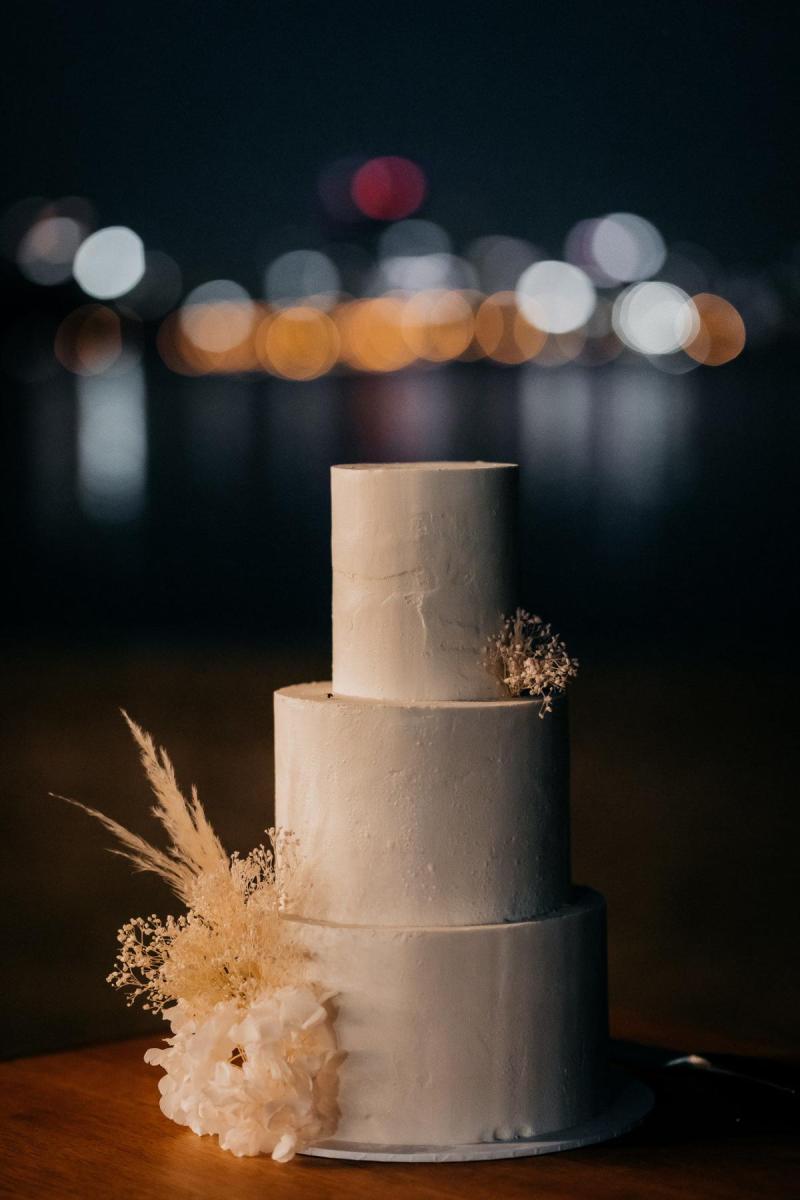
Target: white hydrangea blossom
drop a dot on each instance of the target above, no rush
(263, 1078)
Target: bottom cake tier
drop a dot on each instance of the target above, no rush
(467, 1034)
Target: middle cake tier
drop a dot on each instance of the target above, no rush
(429, 813)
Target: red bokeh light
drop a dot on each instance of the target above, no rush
(388, 189)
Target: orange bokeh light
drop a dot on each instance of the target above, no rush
(372, 336)
(207, 345)
(721, 334)
(503, 333)
(298, 343)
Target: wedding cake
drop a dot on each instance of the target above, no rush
(431, 810)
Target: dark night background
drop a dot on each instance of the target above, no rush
(204, 126)
(658, 509)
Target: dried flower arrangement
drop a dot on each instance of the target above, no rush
(253, 1055)
(528, 657)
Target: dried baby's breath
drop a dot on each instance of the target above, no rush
(528, 657)
(230, 944)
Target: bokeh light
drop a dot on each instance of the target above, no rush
(655, 318)
(388, 189)
(217, 316)
(423, 272)
(503, 333)
(298, 343)
(438, 325)
(626, 247)
(110, 262)
(555, 296)
(92, 340)
(371, 335)
(720, 335)
(413, 237)
(20, 218)
(46, 252)
(302, 275)
(381, 299)
(618, 248)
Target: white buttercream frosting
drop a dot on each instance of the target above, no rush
(424, 570)
(434, 813)
(431, 816)
(468, 1034)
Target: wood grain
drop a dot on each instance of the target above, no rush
(86, 1123)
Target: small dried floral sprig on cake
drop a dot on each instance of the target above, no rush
(253, 1057)
(528, 657)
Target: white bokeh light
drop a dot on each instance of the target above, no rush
(419, 272)
(655, 318)
(625, 247)
(110, 262)
(302, 275)
(555, 296)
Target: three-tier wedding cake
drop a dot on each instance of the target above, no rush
(405, 971)
(431, 810)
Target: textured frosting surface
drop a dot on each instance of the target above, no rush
(422, 814)
(461, 1035)
(424, 569)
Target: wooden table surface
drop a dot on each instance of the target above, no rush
(86, 1123)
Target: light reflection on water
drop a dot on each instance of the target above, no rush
(405, 417)
(213, 493)
(112, 445)
(644, 437)
(618, 439)
(556, 423)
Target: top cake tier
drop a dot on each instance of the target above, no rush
(424, 570)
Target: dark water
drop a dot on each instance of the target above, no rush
(654, 507)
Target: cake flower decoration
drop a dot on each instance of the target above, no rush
(527, 656)
(253, 1057)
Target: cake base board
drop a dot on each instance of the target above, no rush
(631, 1102)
